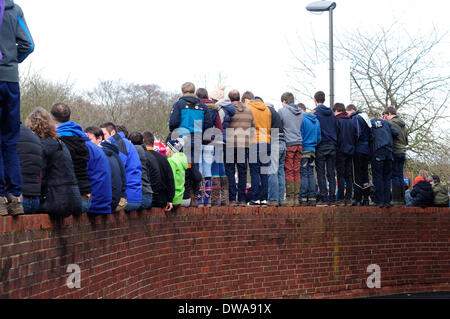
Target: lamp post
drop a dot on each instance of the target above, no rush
(321, 6)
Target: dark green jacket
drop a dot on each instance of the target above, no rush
(401, 140)
(440, 195)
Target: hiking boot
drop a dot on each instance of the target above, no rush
(3, 208)
(14, 205)
(215, 192)
(224, 192)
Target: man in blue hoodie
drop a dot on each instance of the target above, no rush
(98, 170)
(326, 151)
(346, 135)
(132, 162)
(311, 137)
(15, 46)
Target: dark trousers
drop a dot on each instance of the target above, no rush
(308, 181)
(326, 158)
(382, 173)
(10, 173)
(344, 171)
(259, 158)
(238, 157)
(361, 172)
(398, 165)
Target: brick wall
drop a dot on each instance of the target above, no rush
(227, 253)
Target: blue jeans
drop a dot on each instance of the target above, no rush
(382, 173)
(308, 181)
(240, 159)
(277, 180)
(147, 201)
(9, 135)
(205, 165)
(133, 206)
(259, 158)
(85, 204)
(30, 205)
(398, 165)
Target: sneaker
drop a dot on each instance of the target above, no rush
(233, 204)
(264, 203)
(332, 204)
(254, 203)
(348, 202)
(321, 204)
(312, 202)
(14, 205)
(340, 203)
(304, 202)
(242, 204)
(3, 208)
(272, 204)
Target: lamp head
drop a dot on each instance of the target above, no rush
(320, 6)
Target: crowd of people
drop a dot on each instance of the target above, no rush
(294, 157)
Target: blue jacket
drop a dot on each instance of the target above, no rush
(364, 133)
(188, 113)
(99, 173)
(383, 133)
(133, 167)
(311, 133)
(327, 124)
(347, 134)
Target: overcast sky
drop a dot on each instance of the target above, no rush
(173, 41)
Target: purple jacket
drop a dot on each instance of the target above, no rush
(2, 10)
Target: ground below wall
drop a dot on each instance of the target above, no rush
(227, 253)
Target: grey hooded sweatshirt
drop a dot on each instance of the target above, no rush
(15, 42)
(291, 116)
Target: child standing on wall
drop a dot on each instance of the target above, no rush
(179, 164)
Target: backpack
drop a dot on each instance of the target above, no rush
(210, 118)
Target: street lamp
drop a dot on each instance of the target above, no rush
(321, 6)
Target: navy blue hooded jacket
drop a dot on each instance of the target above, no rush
(422, 194)
(118, 175)
(364, 133)
(347, 134)
(188, 113)
(382, 135)
(133, 167)
(327, 124)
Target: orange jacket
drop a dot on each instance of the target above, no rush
(263, 121)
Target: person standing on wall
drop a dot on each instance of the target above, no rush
(16, 44)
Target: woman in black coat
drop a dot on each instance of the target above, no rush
(60, 195)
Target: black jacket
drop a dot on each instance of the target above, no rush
(118, 175)
(422, 194)
(192, 181)
(163, 184)
(29, 148)
(60, 194)
(80, 157)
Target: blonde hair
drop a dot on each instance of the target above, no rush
(423, 174)
(41, 123)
